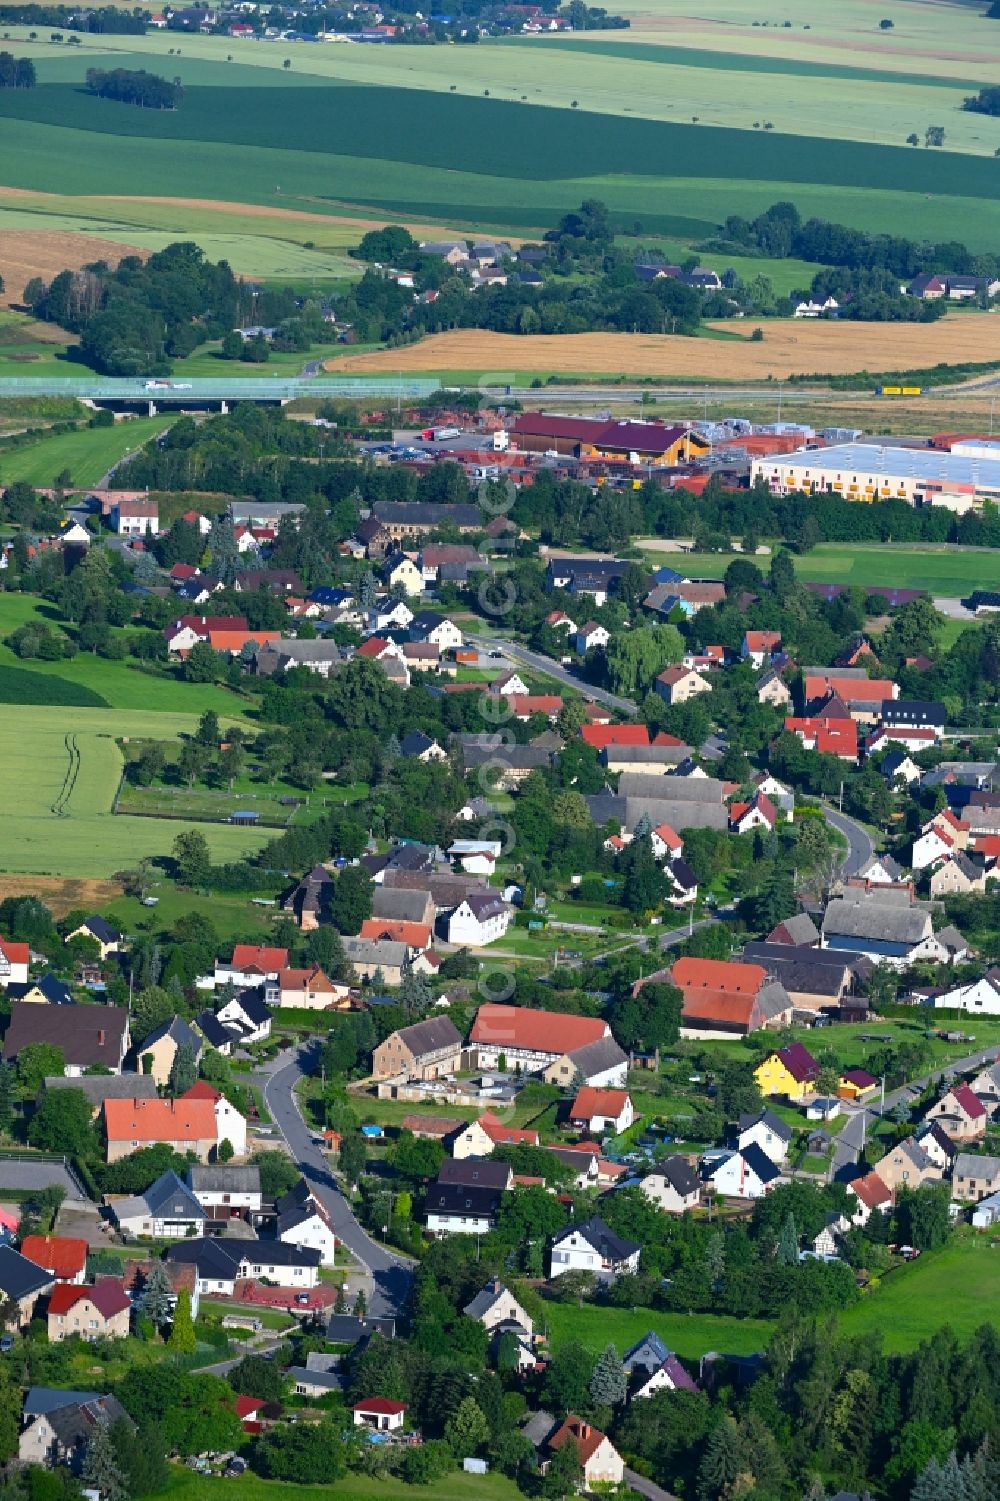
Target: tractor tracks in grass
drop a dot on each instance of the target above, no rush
(61, 805)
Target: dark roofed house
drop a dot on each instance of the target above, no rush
(88, 1035)
(22, 1283)
(461, 1208)
(592, 1246)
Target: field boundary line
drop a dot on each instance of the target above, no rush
(59, 807)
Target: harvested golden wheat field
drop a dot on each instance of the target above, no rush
(789, 347)
(25, 253)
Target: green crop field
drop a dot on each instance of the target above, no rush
(948, 571)
(666, 123)
(86, 455)
(61, 772)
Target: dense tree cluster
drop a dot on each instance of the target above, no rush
(134, 86)
(16, 72)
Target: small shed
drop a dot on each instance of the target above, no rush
(246, 817)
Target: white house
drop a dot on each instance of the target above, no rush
(14, 959)
(168, 1210)
(496, 1305)
(666, 842)
(480, 919)
(227, 1187)
(674, 1188)
(933, 844)
(478, 857)
(747, 1174)
(230, 1125)
(598, 1110)
(251, 963)
(220, 1263)
(510, 685)
(136, 518)
(592, 1246)
(249, 1012)
(981, 997)
(302, 1221)
(591, 635)
(439, 630)
(766, 1131)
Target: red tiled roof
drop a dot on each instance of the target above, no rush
(380, 1405)
(871, 1190)
(15, 953)
(63, 1255)
(719, 974)
(590, 1102)
(586, 1438)
(968, 1102)
(872, 690)
(509, 1136)
(260, 957)
(247, 1406)
(416, 934)
(202, 1090)
(602, 735)
(108, 1297)
(541, 1031)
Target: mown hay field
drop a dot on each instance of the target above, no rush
(25, 253)
(789, 347)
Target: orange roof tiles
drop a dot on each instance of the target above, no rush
(539, 1031)
(590, 1102)
(159, 1120)
(63, 1255)
(259, 956)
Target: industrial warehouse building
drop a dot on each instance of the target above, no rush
(869, 471)
(625, 441)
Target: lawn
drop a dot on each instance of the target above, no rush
(458, 1486)
(86, 455)
(61, 774)
(959, 1285)
(945, 570)
(233, 916)
(690, 1335)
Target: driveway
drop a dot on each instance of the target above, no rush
(391, 1274)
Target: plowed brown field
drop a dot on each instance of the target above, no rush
(789, 347)
(61, 895)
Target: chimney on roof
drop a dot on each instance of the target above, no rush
(583, 1430)
(101, 1037)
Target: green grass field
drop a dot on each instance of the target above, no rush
(187, 1486)
(61, 772)
(946, 570)
(87, 454)
(958, 1286)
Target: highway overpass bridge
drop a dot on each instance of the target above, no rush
(216, 394)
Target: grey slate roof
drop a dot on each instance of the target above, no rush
(773, 1122)
(484, 1300)
(223, 1178)
(597, 1056)
(647, 1354)
(801, 929)
(676, 789)
(679, 1174)
(332, 1380)
(876, 921)
(40, 1400)
(971, 1165)
(474, 1170)
(101, 1087)
(19, 1277)
(612, 1247)
(430, 1035)
(396, 905)
(177, 1028)
(380, 952)
(665, 808)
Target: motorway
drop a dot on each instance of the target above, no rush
(391, 1274)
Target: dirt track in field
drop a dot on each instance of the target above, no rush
(25, 253)
(791, 347)
(61, 895)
